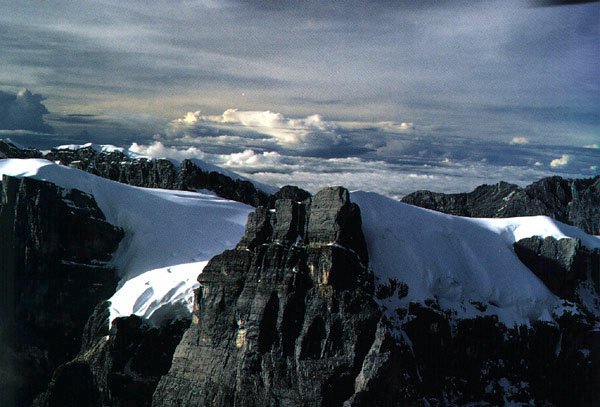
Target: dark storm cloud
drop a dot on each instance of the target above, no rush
(23, 111)
(89, 119)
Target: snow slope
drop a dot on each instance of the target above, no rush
(169, 235)
(459, 260)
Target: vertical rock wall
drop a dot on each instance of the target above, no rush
(53, 253)
(288, 317)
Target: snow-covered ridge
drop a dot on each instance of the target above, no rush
(163, 229)
(99, 148)
(459, 260)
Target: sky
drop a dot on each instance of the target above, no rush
(388, 96)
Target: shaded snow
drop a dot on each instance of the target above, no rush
(160, 293)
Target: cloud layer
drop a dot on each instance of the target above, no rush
(482, 70)
(281, 130)
(394, 158)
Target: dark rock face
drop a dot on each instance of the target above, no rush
(482, 361)
(120, 367)
(575, 202)
(72, 385)
(286, 321)
(54, 248)
(191, 177)
(158, 173)
(560, 264)
(290, 192)
(9, 150)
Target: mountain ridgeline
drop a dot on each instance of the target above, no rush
(142, 172)
(292, 315)
(574, 202)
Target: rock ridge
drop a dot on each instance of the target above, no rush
(158, 173)
(575, 202)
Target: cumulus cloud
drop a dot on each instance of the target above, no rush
(251, 161)
(519, 140)
(237, 130)
(158, 150)
(280, 129)
(23, 111)
(560, 162)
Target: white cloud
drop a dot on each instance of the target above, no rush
(274, 131)
(282, 130)
(560, 162)
(158, 150)
(538, 164)
(250, 160)
(595, 146)
(519, 140)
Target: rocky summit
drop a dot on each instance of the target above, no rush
(288, 317)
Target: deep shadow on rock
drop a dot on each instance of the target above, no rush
(54, 248)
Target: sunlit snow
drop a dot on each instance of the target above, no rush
(458, 260)
(162, 229)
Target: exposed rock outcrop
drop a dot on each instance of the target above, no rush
(54, 248)
(575, 202)
(288, 317)
(158, 173)
(561, 264)
(9, 150)
(290, 192)
(120, 367)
